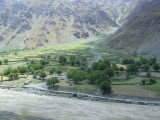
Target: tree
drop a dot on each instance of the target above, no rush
(132, 68)
(97, 77)
(42, 75)
(128, 61)
(8, 71)
(11, 76)
(62, 60)
(95, 66)
(52, 81)
(76, 75)
(44, 62)
(5, 61)
(146, 67)
(127, 75)
(22, 70)
(59, 72)
(1, 62)
(110, 72)
(143, 60)
(138, 64)
(78, 78)
(105, 87)
(121, 69)
(115, 67)
(152, 61)
(156, 66)
(26, 59)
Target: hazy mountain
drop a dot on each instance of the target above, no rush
(35, 23)
(142, 32)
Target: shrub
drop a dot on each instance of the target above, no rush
(1, 62)
(105, 87)
(5, 61)
(148, 74)
(151, 81)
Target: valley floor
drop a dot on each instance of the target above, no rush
(60, 108)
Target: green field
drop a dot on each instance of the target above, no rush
(79, 48)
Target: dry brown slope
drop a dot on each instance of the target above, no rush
(32, 24)
(142, 33)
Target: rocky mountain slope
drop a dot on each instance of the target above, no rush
(141, 33)
(36, 23)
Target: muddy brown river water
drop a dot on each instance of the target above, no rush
(61, 108)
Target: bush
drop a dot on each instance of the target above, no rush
(143, 82)
(105, 87)
(148, 74)
(34, 77)
(151, 81)
(52, 81)
(1, 62)
(5, 61)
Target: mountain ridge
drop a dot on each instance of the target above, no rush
(142, 32)
(32, 24)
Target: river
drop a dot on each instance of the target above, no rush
(61, 108)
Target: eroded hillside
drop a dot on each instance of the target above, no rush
(32, 24)
(141, 33)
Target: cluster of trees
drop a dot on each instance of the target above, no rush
(33, 67)
(73, 60)
(98, 74)
(5, 61)
(143, 64)
(11, 73)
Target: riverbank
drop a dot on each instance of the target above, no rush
(108, 98)
(62, 108)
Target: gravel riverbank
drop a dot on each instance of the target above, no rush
(108, 98)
